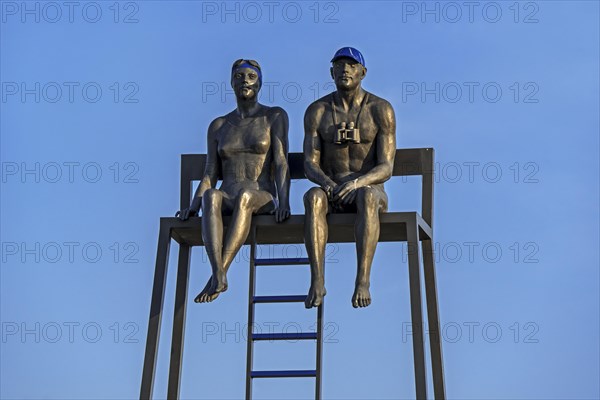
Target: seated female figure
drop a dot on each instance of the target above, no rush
(249, 147)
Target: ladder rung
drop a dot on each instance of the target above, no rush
(284, 374)
(279, 299)
(285, 336)
(281, 261)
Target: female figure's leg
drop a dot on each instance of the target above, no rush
(212, 234)
(247, 202)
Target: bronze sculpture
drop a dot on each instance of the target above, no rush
(349, 148)
(249, 148)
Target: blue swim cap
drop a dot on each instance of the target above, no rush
(349, 52)
(243, 63)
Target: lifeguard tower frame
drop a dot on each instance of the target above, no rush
(411, 227)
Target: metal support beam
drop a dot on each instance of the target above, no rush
(251, 292)
(183, 268)
(416, 312)
(319, 366)
(435, 336)
(158, 293)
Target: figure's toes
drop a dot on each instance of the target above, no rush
(312, 300)
(314, 297)
(359, 300)
(201, 297)
(308, 302)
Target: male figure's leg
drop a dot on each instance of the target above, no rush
(369, 202)
(315, 237)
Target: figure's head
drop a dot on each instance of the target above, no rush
(348, 68)
(246, 78)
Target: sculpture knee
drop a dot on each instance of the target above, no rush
(244, 199)
(315, 199)
(366, 200)
(212, 199)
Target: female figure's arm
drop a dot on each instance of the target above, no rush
(211, 171)
(279, 148)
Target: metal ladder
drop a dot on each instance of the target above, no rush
(252, 337)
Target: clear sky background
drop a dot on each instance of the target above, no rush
(99, 100)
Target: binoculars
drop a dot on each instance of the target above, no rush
(347, 134)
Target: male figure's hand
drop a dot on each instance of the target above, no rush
(282, 213)
(346, 192)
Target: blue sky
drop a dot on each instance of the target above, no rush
(99, 99)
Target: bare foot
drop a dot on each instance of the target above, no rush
(204, 297)
(362, 296)
(212, 289)
(315, 295)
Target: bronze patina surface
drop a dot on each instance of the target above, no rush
(247, 147)
(349, 148)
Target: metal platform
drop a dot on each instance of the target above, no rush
(411, 227)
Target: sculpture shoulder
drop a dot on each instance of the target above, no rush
(379, 103)
(273, 113)
(380, 108)
(318, 106)
(216, 124)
